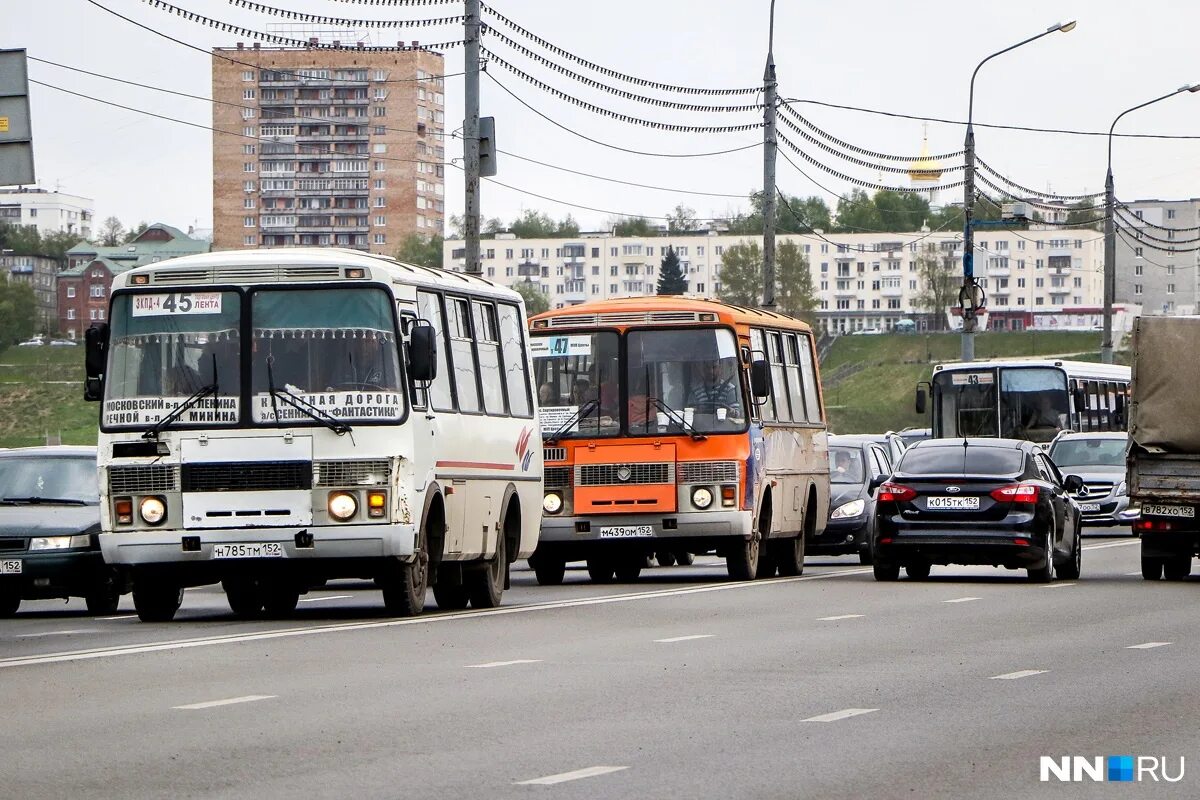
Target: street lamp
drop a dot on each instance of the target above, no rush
(1110, 233)
(969, 296)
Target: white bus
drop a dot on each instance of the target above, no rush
(1030, 399)
(261, 426)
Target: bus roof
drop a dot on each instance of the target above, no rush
(659, 309)
(1089, 369)
(296, 264)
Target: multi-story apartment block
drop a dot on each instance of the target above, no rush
(1157, 267)
(49, 212)
(1033, 278)
(40, 272)
(339, 147)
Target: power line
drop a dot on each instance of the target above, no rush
(857, 181)
(854, 160)
(1134, 211)
(324, 20)
(1143, 243)
(1065, 197)
(862, 151)
(1137, 233)
(616, 180)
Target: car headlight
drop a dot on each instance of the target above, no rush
(1122, 489)
(152, 510)
(847, 510)
(552, 503)
(342, 506)
(701, 498)
(59, 542)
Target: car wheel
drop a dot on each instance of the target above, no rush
(9, 603)
(156, 601)
(1152, 568)
(1070, 570)
(104, 597)
(1176, 568)
(918, 571)
(864, 557)
(600, 569)
(788, 555)
(885, 571)
(665, 558)
(549, 570)
(1044, 572)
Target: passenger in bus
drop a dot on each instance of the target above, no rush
(1043, 420)
(581, 392)
(548, 394)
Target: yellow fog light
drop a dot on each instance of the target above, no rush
(376, 504)
(123, 509)
(342, 506)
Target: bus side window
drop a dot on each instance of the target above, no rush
(779, 388)
(462, 354)
(416, 392)
(795, 385)
(487, 343)
(430, 309)
(812, 392)
(758, 347)
(516, 372)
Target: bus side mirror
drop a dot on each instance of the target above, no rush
(760, 378)
(920, 405)
(422, 352)
(95, 355)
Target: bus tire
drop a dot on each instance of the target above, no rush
(244, 596)
(665, 558)
(280, 599)
(789, 555)
(629, 568)
(600, 569)
(549, 570)
(404, 585)
(684, 558)
(741, 562)
(449, 591)
(485, 586)
(156, 600)
(1178, 567)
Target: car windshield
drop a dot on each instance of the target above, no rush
(1083, 452)
(32, 478)
(165, 347)
(954, 460)
(683, 380)
(335, 349)
(846, 465)
(571, 371)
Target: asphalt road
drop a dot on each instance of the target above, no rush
(684, 685)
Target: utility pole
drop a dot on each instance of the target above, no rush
(967, 297)
(1110, 260)
(471, 136)
(769, 150)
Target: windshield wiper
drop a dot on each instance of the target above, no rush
(683, 423)
(579, 416)
(303, 406)
(38, 501)
(177, 412)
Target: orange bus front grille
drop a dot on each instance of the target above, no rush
(624, 474)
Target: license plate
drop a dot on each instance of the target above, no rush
(11, 566)
(952, 503)
(256, 550)
(1089, 508)
(627, 532)
(1169, 511)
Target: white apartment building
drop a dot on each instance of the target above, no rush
(49, 212)
(863, 281)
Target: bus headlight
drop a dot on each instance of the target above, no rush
(152, 510)
(342, 506)
(552, 503)
(701, 498)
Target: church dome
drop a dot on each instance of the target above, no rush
(925, 169)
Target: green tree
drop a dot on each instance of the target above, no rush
(795, 294)
(23, 240)
(18, 313)
(681, 220)
(1086, 214)
(424, 251)
(568, 227)
(633, 226)
(488, 228)
(534, 225)
(741, 274)
(792, 215)
(536, 301)
(112, 232)
(671, 279)
(940, 279)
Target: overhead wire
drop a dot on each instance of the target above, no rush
(1144, 243)
(858, 181)
(1122, 205)
(1051, 195)
(853, 159)
(788, 110)
(321, 19)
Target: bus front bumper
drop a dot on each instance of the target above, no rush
(634, 528)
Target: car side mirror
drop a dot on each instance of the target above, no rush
(876, 482)
(94, 360)
(1073, 483)
(920, 404)
(760, 378)
(422, 352)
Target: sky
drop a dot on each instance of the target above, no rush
(913, 58)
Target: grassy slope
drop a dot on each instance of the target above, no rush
(870, 381)
(41, 391)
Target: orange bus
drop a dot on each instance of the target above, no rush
(677, 425)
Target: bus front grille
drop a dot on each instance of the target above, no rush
(558, 477)
(143, 479)
(372, 472)
(616, 475)
(708, 472)
(247, 476)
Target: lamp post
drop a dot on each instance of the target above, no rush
(770, 145)
(969, 297)
(1110, 233)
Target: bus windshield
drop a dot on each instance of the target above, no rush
(166, 347)
(1024, 403)
(571, 371)
(335, 349)
(683, 379)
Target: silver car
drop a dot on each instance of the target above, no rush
(1098, 458)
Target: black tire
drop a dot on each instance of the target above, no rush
(549, 570)
(9, 603)
(156, 601)
(279, 600)
(684, 558)
(788, 555)
(1070, 570)
(405, 585)
(600, 569)
(885, 571)
(767, 568)
(485, 586)
(918, 570)
(1152, 568)
(1044, 572)
(245, 597)
(864, 557)
(629, 569)
(1177, 568)
(665, 558)
(742, 560)
(104, 597)
(450, 597)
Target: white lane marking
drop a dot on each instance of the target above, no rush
(331, 597)
(122, 616)
(1012, 676)
(685, 638)
(837, 715)
(1111, 544)
(282, 633)
(962, 599)
(56, 633)
(563, 777)
(1056, 586)
(840, 616)
(492, 664)
(250, 698)
(1148, 645)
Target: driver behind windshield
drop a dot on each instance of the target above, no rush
(713, 386)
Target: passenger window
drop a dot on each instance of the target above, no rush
(882, 465)
(758, 347)
(795, 386)
(488, 344)
(516, 371)
(462, 354)
(779, 387)
(430, 308)
(1044, 469)
(812, 392)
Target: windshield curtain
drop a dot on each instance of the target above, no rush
(685, 374)
(1089, 453)
(164, 347)
(846, 465)
(572, 369)
(55, 478)
(965, 403)
(333, 348)
(1034, 403)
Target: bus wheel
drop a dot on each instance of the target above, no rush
(600, 569)
(629, 568)
(486, 586)
(156, 600)
(684, 558)
(742, 559)
(549, 570)
(404, 585)
(244, 596)
(665, 558)
(789, 555)
(279, 600)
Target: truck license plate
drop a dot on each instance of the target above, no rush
(626, 531)
(256, 550)
(11, 566)
(1169, 511)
